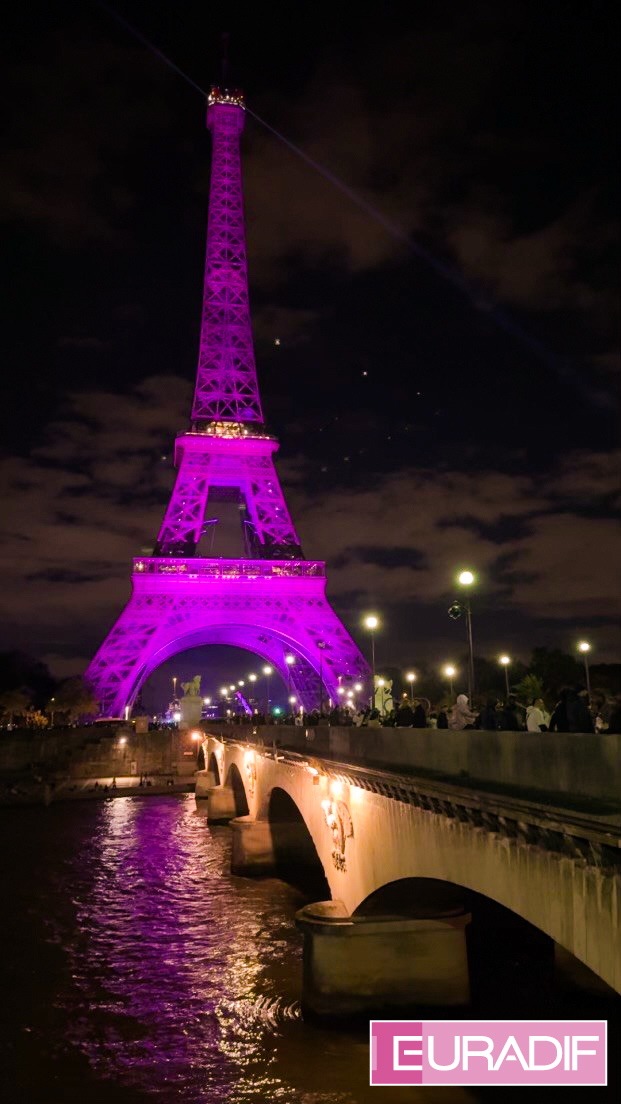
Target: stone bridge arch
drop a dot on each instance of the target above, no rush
(213, 768)
(235, 783)
(368, 836)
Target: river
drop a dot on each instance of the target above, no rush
(136, 968)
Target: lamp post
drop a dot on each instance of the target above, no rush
(371, 623)
(450, 673)
(321, 644)
(466, 579)
(174, 682)
(505, 660)
(52, 700)
(585, 648)
(289, 660)
(267, 672)
(411, 678)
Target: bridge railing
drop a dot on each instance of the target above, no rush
(548, 764)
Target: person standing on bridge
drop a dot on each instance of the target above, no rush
(461, 714)
(537, 720)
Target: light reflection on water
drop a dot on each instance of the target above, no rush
(153, 973)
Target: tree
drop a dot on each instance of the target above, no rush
(19, 671)
(14, 703)
(75, 698)
(34, 718)
(555, 669)
(530, 688)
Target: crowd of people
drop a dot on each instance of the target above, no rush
(572, 713)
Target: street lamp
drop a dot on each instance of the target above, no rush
(289, 660)
(466, 579)
(52, 700)
(224, 691)
(506, 660)
(174, 682)
(585, 648)
(450, 673)
(411, 678)
(267, 671)
(371, 623)
(206, 701)
(321, 644)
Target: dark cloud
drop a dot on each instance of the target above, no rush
(417, 433)
(398, 542)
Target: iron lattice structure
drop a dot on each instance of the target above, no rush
(226, 381)
(270, 600)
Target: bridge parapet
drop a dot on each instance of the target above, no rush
(551, 767)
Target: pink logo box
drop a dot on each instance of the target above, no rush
(488, 1052)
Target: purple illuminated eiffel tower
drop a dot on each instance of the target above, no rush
(268, 599)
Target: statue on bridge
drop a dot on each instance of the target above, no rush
(192, 689)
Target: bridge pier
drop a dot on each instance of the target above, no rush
(372, 965)
(221, 804)
(270, 847)
(253, 847)
(205, 781)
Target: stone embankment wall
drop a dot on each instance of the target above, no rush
(96, 751)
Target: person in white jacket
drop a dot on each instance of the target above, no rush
(537, 720)
(461, 714)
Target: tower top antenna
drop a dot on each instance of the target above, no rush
(225, 68)
(225, 93)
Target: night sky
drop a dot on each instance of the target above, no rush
(444, 391)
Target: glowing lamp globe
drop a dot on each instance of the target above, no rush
(466, 578)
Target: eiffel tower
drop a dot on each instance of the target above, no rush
(269, 600)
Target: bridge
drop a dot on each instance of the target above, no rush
(405, 827)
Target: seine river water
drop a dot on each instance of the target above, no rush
(135, 968)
